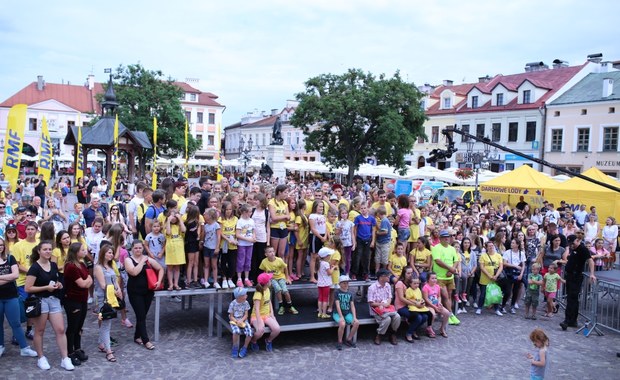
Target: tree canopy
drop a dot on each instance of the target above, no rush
(143, 94)
(352, 116)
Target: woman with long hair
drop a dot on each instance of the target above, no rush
(116, 237)
(279, 217)
(106, 275)
(77, 282)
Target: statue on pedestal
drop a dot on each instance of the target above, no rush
(277, 132)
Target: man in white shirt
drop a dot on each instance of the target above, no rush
(553, 214)
(132, 208)
(580, 216)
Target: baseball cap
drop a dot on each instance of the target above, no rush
(264, 278)
(333, 198)
(324, 252)
(444, 233)
(343, 278)
(11, 226)
(238, 292)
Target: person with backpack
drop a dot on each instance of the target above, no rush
(152, 212)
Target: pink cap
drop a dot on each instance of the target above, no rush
(264, 278)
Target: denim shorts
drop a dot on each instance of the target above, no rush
(278, 233)
(50, 305)
(279, 285)
(403, 234)
(208, 252)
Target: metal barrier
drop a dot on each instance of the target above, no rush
(601, 304)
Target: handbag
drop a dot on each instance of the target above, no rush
(107, 312)
(121, 304)
(151, 278)
(33, 306)
(379, 311)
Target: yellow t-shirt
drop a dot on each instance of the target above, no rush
(343, 201)
(352, 215)
(335, 257)
(414, 229)
(331, 228)
(22, 252)
(281, 208)
(397, 264)
(265, 302)
(276, 267)
(490, 263)
(388, 207)
(303, 232)
(180, 200)
(229, 228)
(420, 257)
(60, 259)
(393, 239)
(415, 295)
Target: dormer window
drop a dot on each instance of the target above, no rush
(447, 103)
(474, 102)
(499, 99)
(192, 97)
(527, 96)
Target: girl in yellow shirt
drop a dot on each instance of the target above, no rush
(301, 237)
(420, 258)
(228, 248)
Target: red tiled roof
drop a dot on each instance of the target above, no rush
(186, 87)
(459, 89)
(79, 98)
(204, 98)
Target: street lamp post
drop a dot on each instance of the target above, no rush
(245, 156)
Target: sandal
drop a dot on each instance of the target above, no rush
(177, 288)
(110, 357)
(149, 346)
(102, 349)
(443, 333)
(170, 288)
(138, 342)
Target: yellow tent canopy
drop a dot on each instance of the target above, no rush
(577, 191)
(523, 181)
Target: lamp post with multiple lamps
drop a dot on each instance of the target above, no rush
(478, 159)
(245, 156)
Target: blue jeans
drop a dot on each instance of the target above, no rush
(10, 309)
(415, 319)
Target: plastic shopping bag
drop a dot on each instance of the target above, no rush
(493, 295)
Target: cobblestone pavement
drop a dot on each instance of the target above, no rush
(482, 347)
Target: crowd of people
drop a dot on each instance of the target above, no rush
(429, 262)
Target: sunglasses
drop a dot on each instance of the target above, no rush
(29, 215)
(2, 206)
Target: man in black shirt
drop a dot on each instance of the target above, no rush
(521, 204)
(205, 189)
(39, 189)
(578, 256)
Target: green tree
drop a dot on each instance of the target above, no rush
(143, 94)
(352, 116)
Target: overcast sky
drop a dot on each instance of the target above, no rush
(257, 54)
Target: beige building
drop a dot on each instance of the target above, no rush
(583, 125)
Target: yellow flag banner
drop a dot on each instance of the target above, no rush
(114, 157)
(218, 154)
(79, 170)
(154, 179)
(14, 142)
(186, 155)
(45, 153)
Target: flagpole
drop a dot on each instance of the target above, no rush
(154, 177)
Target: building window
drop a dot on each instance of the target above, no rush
(530, 131)
(199, 117)
(211, 118)
(500, 99)
(422, 105)
(510, 166)
(420, 139)
(556, 140)
(496, 133)
(556, 114)
(70, 124)
(435, 135)
(610, 139)
(182, 97)
(465, 128)
(447, 103)
(612, 109)
(480, 131)
(32, 124)
(513, 131)
(210, 140)
(188, 116)
(192, 97)
(583, 139)
(288, 138)
(199, 138)
(526, 96)
(584, 111)
(474, 102)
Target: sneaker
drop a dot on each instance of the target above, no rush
(254, 347)
(503, 310)
(464, 310)
(478, 311)
(225, 284)
(293, 310)
(216, 285)
(498, 313)
(206, 285)
(248, 283)
(350, 343)
(459, 311)
(81, 355)
(281, 310)
(453, 320)
(475, 305)
(175, 299)
(29, 335)
(269, 346)
(457, 299)
(43, 364)
(517, 306)
(513, 311)
(26, 351)
(90, 300)
(202, 281)
(239, 283)
(235, 352)
(75, 360)
(339, 346)
(66, 364)
(230, 284)
(243, 352)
